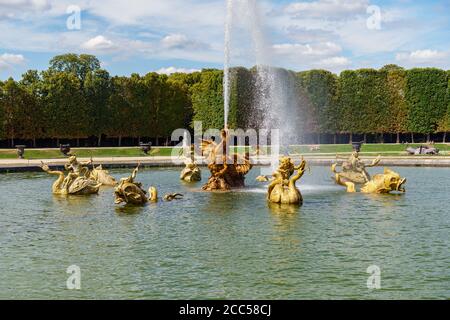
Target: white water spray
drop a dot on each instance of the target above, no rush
(226, 69)
(274, 91)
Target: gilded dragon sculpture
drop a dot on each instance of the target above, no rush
(130, 192)
(72, 184)
(227, 171)
(354, 173)
(282, 189)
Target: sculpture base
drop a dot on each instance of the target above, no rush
(226, 178)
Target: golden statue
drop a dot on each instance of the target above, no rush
(102, 176)
(173, 196)
(263, 178)
(73, 183)
(354, 170)
(380, 183)
(283, 189)
(81, 168)
(227, 171)
(191, 172)
(131, 192)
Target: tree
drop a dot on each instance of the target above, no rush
(185, 83)
(79, 65)
(65, 110)
(97, 90)
(426, 95)
(34, 116)
(398, 107)
(207, 99)
(14, 107)
(321, 88)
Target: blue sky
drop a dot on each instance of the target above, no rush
(187, 35)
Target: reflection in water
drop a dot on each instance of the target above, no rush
(283, 209)
(225, 245)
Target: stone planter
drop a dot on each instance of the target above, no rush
(145, 147)
(20, 151)
(65, 149)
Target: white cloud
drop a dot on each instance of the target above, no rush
(331, 9)
(298, 50)
(98, 43)
(334, 62)
(8, 60)
(19, 8)
(422, 56)
(181, 42)
(170, 70)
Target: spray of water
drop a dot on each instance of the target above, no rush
(226, 69)
(274, 90)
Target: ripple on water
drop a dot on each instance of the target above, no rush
(226, 245)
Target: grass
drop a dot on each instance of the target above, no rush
(367, 149)
(85, 153)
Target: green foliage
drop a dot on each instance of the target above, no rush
(207, 99)
(79, 65)
(426, 95)
(363, 102)
(75, 98)
(398, 107)
(320, 87)
(65, 109)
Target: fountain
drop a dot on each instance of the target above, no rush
(130, 192)
(74, 183)
(227, 171)
(354, 174)
(282, 189)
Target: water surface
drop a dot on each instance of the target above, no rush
(226, 245)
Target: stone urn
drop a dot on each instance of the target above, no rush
(357, 146)
(65, 149)
(145, 147)
(20, 151)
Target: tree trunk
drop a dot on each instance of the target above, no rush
(365, 137)
(34, 142)
(412, 137)
(318, 138)
(351, 138)
(335, 138)
(78, 142)
(12, 142)
(382, 137)
(398, 137)
(444, 139)
(120, 141)
(428, 137)
(99, 140)
(57, 142)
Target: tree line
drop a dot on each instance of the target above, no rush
(75, 100)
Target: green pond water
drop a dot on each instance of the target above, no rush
(226, 245)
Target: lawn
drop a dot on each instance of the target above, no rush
(86, 153)
(330, 149)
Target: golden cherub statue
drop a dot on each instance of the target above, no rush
(131, 192)
(227, 171)
(74, 183)
(282, 189)
(97, 174)
(354, 170)
(380, 183)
